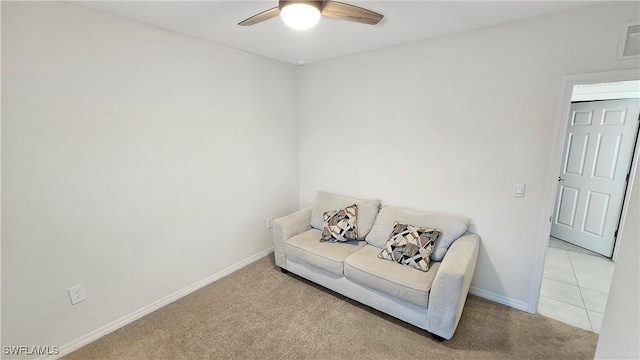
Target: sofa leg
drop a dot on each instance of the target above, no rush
(284, 271)
(438, 338)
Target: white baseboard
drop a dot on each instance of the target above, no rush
(500, 299)
(127, 319)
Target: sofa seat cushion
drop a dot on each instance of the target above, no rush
(329, 256)
(402, 282)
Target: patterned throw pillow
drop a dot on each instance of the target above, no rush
(410, 245)
(340, 225)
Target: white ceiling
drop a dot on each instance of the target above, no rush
(404, 21)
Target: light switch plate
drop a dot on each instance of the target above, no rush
(518, 190)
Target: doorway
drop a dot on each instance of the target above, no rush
(596, 163)
(597, 157)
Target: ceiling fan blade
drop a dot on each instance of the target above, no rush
(343, 11)
(265, 15)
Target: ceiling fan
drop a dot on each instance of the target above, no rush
(303, 15)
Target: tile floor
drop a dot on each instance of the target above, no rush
(575, 285)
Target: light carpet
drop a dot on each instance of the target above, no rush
(260, 313)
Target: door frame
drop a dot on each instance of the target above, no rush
(555, 161)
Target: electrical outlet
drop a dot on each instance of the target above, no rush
(77, 294)
(269, 222)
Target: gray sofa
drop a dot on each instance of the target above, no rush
(431, 300)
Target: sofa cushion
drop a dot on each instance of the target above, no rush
(402, 282)
(452, 227)
(307, 248)
(340, 225)
(410, 245)
(367, 210)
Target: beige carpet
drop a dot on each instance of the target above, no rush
(260, 313)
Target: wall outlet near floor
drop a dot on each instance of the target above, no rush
(77, 294)
(269, 222)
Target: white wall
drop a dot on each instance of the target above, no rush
(135, 161)
(621, 324)
(452, 123)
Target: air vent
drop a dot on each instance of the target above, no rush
(629, 45)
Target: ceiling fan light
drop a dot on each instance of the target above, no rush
(300, 16)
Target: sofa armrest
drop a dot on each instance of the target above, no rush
(451, 285)
(286, 227)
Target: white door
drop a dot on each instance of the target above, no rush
(597, 155)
